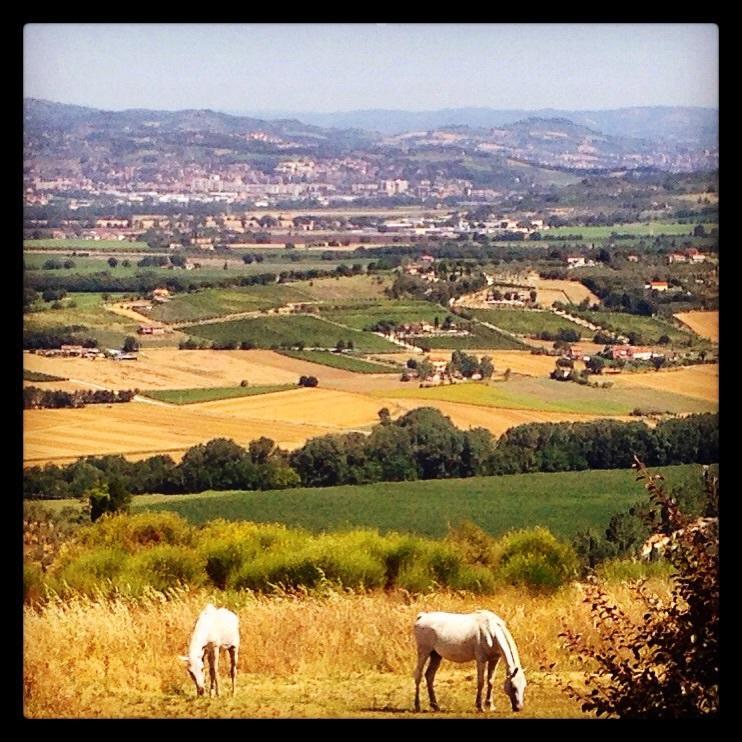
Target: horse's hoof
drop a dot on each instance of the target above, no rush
(435, 708)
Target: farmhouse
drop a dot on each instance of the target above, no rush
(632, 258)
(657, 285)
(151, 330)
(677, 257)
(71, 350)
(575, 261)
(160, 295)
(616, 352)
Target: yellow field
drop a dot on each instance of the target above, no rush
(553, 290)
(87, 658)
(340, 410)
(168, 368)
(344, 401)
(705, 324)
(145, 429)
(700, 382)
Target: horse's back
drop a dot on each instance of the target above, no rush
(454, 636)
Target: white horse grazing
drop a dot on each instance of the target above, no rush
(215, 628)
(463, 637)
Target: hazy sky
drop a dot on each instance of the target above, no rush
(339, 67)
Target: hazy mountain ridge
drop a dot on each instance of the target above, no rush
(86, 140)
(690, 126)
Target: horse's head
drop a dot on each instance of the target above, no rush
(195, 667)
(515, 687)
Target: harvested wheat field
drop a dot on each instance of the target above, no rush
(136, 428)
(124, 656)
(337, 410)
(699, 382)
(705, 324)
(167, 368)
(553, 290)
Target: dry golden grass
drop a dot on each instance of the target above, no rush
(337, 655)
(143, 429)
(705, 324)
(168, 368)
(334, 409)
(551, 290)
(699, 382)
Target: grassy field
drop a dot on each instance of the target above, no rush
(194, 396)
(565, 503)
(344, 288)
(481, 337)
(88, 310)
(339, 360)
(123, 656)
(555, 396)
(80, 244)
(362, 317)
(651, 329)
(523, 322)
(652, 229)
(273, 331)
(211, 269)
(209, 303)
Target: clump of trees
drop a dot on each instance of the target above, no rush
(309, 381)
(35, 398)
(667, 664)
(56, 337)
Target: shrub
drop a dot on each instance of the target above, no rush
(88, 571)
(666, 665)
(165, 566)
(143, 529)
(535, 558)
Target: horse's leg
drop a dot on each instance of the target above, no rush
(217, 648)
(435, 661)
(233, 667)
(422, 658)
(480, 682)
(491, 666)
(209, 657)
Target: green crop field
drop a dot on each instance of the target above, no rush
(209, 303)
(194, 396)
(362, 317)
(524, 322)
(649, 229)
(73, 244)
(564, 502)
(557, 396)
(651, 329)
(38, 376)
(266, 332)
(341, 360)
(482, 338)
(88, 311)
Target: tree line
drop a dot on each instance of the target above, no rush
(147, 281)
(36, 398)
(422, 444)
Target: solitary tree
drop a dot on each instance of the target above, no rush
(130, 345)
